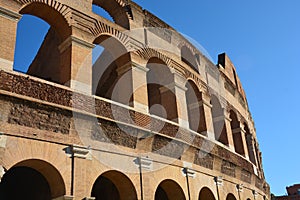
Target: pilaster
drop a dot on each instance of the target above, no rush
(81, 158)
(179, 90)
(76, 64)
(243, 135)
(207, 109)
(8, 35)
(132, 83)
(229, 131)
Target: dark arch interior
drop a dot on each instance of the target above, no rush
(113, 185)
(206, 194)
(24, 183)
(169, 190)
(105, 189)
(230, 197)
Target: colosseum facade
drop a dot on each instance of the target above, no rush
(151, 117)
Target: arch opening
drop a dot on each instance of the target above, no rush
(101, 12)
(161, 90)
(113, 185)
(195, 108)
(219, 121)
(230, 197)
(117, 13)
(169, 190)
(110, 78)
(37, 52)
(237, 134)
(206, 194)
(32, 179)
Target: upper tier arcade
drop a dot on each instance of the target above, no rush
(149, 95)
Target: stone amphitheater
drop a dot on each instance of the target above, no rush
(149, 117)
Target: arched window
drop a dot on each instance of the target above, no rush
(219, 121)
(32, 179)
(161, 94)
(237, 134)
(101, 12)
(230, 197)
(195, 108)
(189, 58)
(206, 194)
(110, 79)
(169, 190)
(113, 185)
(118, 13)
(40, 32)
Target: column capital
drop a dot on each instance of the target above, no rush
(80, 151)
(219, 180)
(171, 87)
(144, 163)
(189, 172)
(240, 187)
(10, 14)
(73, 39)
(131, 66)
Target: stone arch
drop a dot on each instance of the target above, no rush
(206, 194)
(48, 63)
(230, 197)
(32, 173)
(51, 11)
(148, 53)
(113, 185)
(195, 107)
(162, 100)
(109, 68)
(236, 133)
(219, 120)
(169, 190)
(118, 10)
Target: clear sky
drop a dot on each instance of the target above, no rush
(262, 38)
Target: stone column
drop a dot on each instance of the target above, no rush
(251, 149)
(179, 90)
(8, 35)
(81, 159)
(228, 130)
(240, 131)
(145, 166)
(243, 134)
(207, 108)
(132, 86)
(76, 64)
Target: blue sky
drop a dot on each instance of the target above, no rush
(262, 38)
